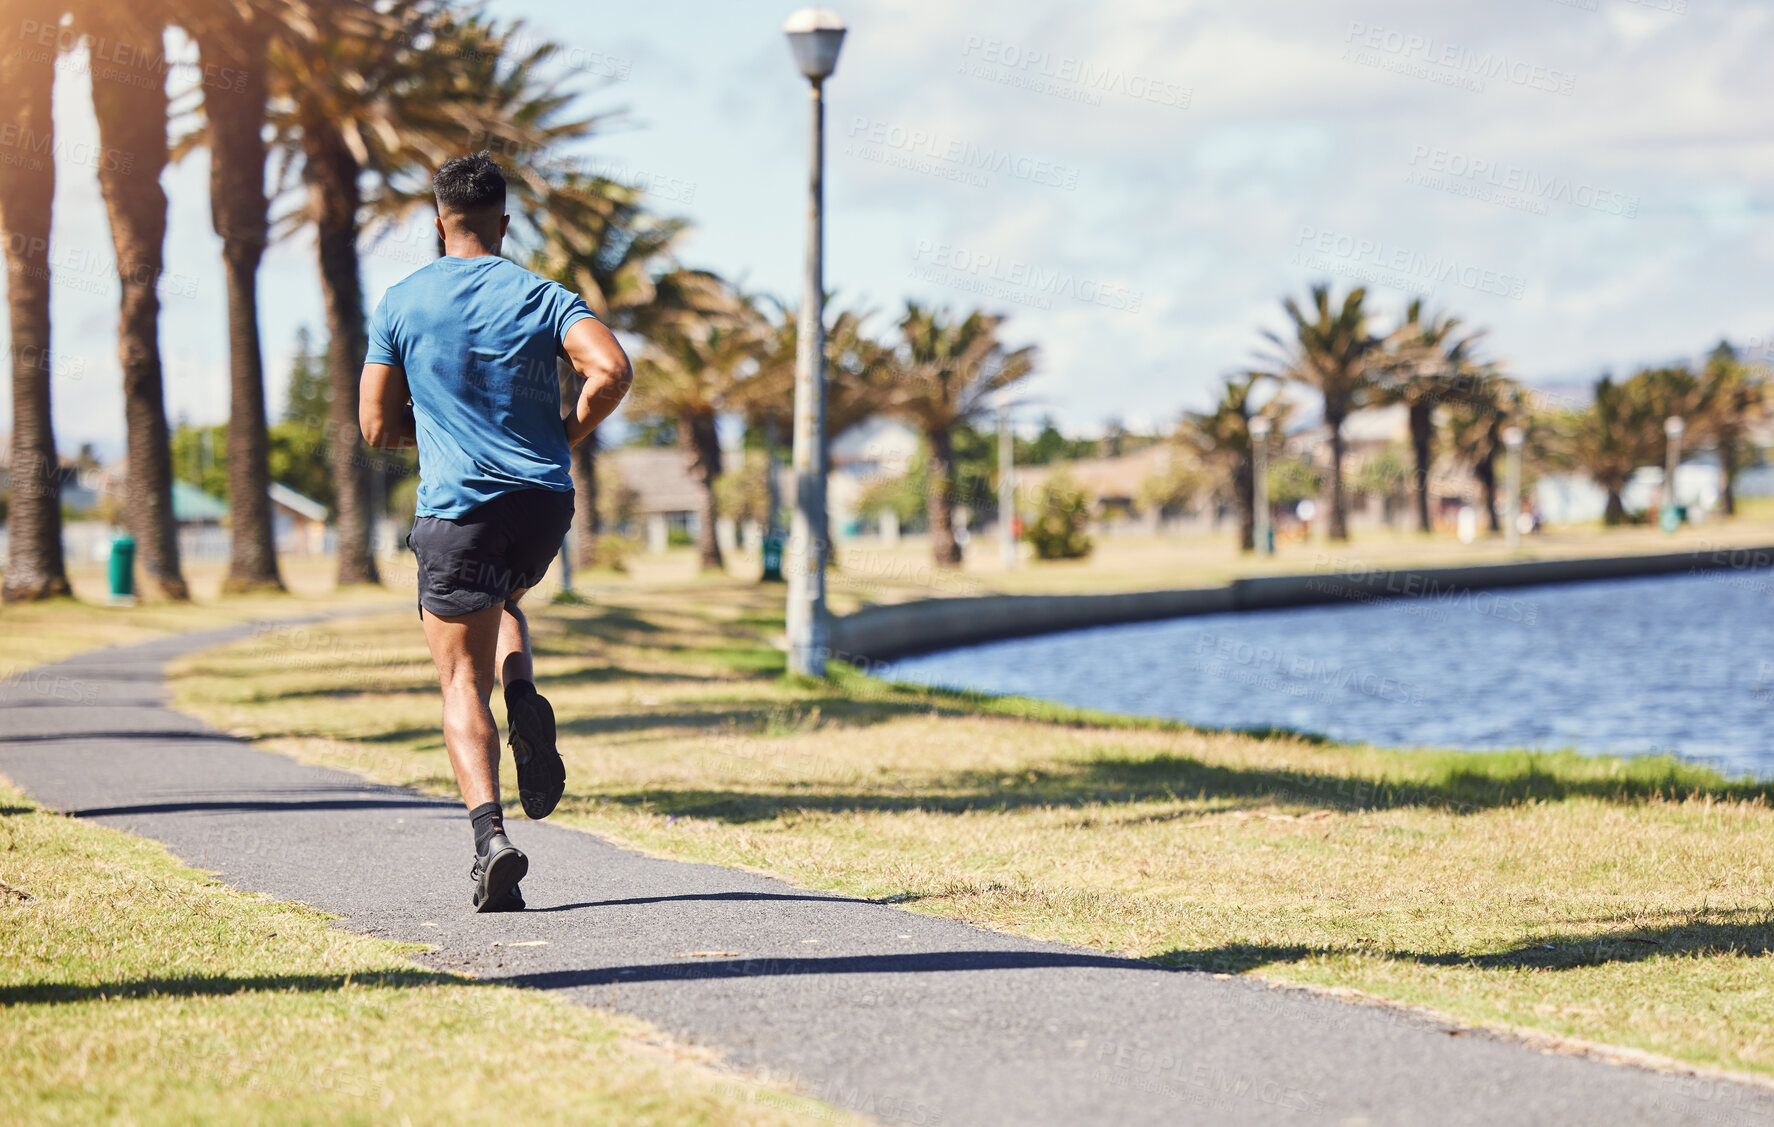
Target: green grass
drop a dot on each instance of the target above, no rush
(1625, 902)
(137, 990)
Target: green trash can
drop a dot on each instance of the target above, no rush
(123, 569)
(772, 559)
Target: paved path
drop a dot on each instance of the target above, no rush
(907, 1018)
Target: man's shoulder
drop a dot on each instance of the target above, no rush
(515, 274)
(417, 280)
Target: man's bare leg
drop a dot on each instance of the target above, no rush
(541, 776)
(464, 648)
(514, 663)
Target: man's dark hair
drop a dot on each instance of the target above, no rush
(469, 184)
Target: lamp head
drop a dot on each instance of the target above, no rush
(815, 35)
(1513, 437)
(1259, 426)
(1673, 426)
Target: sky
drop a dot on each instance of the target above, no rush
(1136, 185)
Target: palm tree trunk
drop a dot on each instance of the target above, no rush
(940, 473)
(133, 120)
(587, 523)
(34, 568)
(583, 466)
(331, 175)
(702, 453)
(1339, 525)
(1485, 470)
(238, 213)
(1728, 472)
(1245, 488)
(1422, 423)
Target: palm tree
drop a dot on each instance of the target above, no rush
(1618, 433)
(858, 372)
(1734, 395)
(1332, 352)
(333, 111)
(597, 240)
(485, 90)
(233, 38)
(1477, 416)
(442, 83)
(1221, 440)
(1426, 363)
(34, 568)
(702, 343)
(392, 92)
(132, 119)
(947, 373)
(858, 377)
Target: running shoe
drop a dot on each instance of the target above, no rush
(495, 875)
(541, 776)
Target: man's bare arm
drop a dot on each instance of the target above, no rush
(383, 412)
(592, 350)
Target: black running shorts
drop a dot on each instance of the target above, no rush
(477, 560)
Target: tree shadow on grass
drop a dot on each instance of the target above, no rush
(754, 716)
(609, 624)
(1509, 781)
(356, 689)
(190, 986)
(605, 674)
(1709, 933)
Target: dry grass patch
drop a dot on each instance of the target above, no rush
(137, 990)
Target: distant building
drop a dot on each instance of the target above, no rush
(1113, 484)
(77, 490)
(192, 506)
(659, 482)
(878, 447)
(298, 523)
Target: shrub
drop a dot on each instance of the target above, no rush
(1062, 514)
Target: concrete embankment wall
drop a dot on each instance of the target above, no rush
(886, 632)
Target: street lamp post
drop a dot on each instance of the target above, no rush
(1259, 484)
(1672, 429)
(1512, 440)
(814, 36)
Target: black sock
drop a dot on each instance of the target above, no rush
(518, 690)
(488, 820)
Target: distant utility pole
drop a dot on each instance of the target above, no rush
(1006, 489)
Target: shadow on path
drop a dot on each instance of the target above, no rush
(694, 969)
(705, 896)
(258, 806)
(138, 735)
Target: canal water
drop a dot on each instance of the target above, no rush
(1681, 664)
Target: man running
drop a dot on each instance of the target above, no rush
(461, 363)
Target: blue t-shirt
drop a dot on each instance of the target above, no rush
(478, 338)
